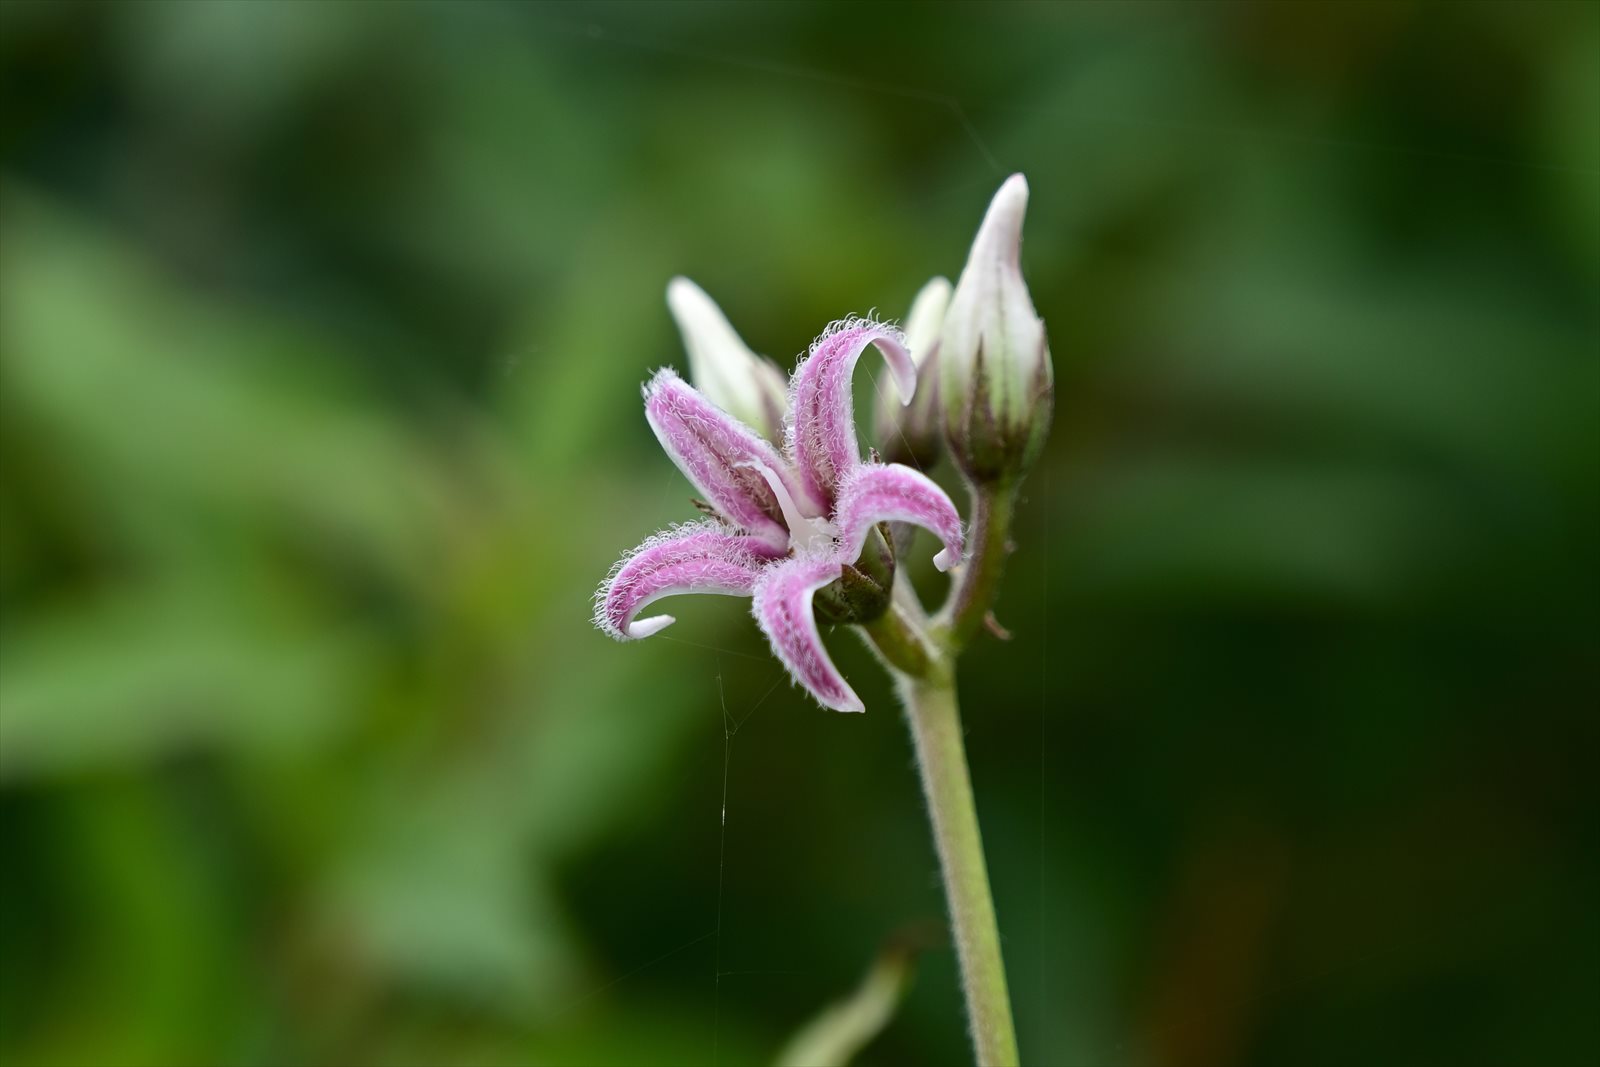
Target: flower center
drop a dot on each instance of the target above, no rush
(807, 536)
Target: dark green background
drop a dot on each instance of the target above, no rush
(321, 332)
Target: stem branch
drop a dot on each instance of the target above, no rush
(974, 593)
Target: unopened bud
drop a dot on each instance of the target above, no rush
(864, 589)
(911, 433)
(749, 387)
(996, 383)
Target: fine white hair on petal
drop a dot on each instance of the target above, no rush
(782, 608)
(820, 436)
(694, 557)
(676, 531)
(715, 451)
(876, 492)
(851, 322)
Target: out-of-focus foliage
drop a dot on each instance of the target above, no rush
(840, 1032)
(321, 328)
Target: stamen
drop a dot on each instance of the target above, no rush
(809, 535)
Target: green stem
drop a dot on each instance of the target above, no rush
(970, 600)
(922, 659)
(901, 642)
(935, 721)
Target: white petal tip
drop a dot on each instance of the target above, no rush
(653, 625)
(937, 290)
(854, 706)
(1009, 204)
(681, 289)
(946, 559)
(700, 320)
(1011, 200)
(1000, 234)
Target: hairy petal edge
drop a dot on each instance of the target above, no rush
(821, 436)
(783, 611)
(719, 455)
(701, 557)
(874, 493)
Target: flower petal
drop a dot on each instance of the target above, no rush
(876, 492)
(699, 557)
(721, 456)
(822, 430)
(783, 610)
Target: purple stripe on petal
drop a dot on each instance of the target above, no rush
(875, 493)
(783, 610)
(702, 557)
(720, 455)
(821, 436)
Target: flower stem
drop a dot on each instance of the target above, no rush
(901, 641)
(935, 720)
(922, 658)
(973, 594)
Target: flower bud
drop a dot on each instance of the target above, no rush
(749, 387)
(865, 588)
(996, 383)
(911, 433)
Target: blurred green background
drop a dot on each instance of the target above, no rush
(321, 332)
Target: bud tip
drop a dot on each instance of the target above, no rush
(1000, 235)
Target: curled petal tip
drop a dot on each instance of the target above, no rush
(907, 424)
(680, 289)
(645, 627)
(894, 493)
(907, 395)
(701, 557)
(821, 430)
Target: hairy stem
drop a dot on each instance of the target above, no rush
(935, 721)
(922, 659)
(901, 641)
(974, 593)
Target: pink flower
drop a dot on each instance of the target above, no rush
(787, 523)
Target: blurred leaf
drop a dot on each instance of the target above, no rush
(146, 672)
(841, 1030)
